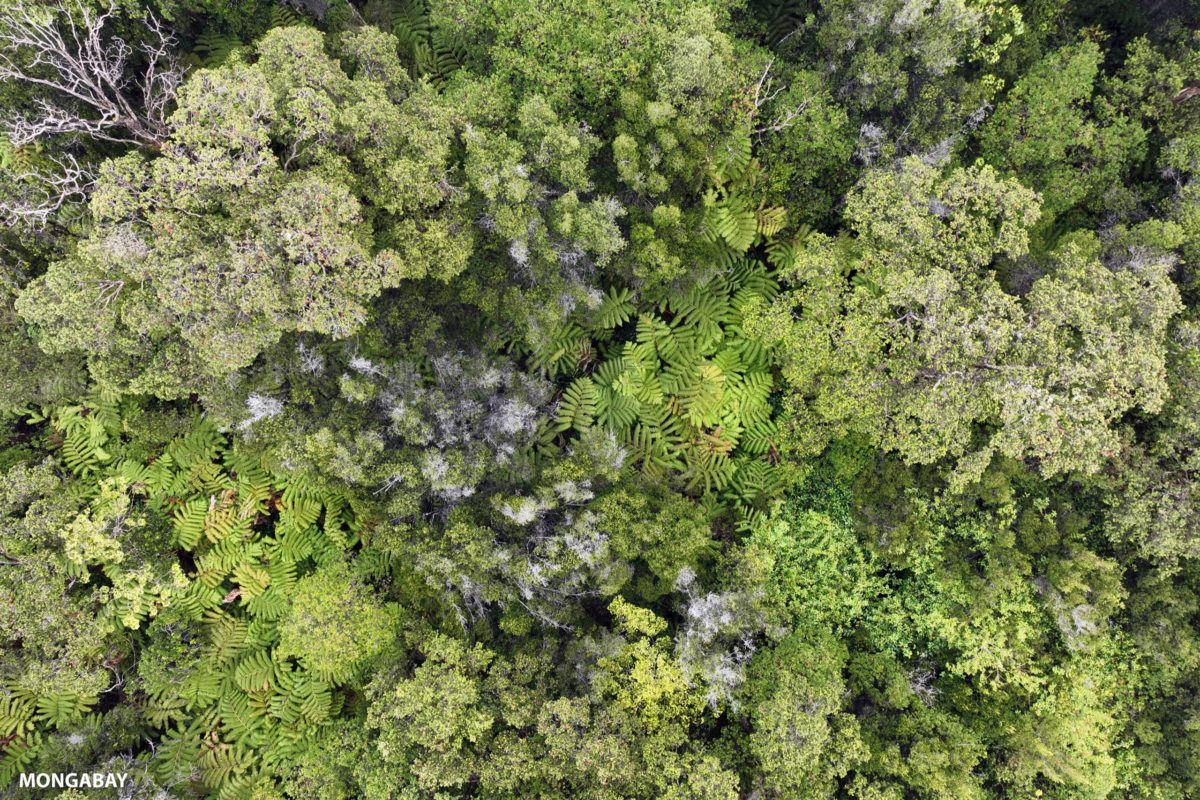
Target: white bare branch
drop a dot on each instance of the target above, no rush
(87, 76)
(765, 92)
(38, 195)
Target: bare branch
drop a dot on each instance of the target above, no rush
(87, 75)
(38, 195)
(765, 92)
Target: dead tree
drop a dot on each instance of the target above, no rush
(86, 83)
(37, 195)
(86, 78)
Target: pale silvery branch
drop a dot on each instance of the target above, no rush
(38, 195)
(86, 75)
(765, 92)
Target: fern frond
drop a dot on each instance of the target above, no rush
(577, 406)
(615, 310)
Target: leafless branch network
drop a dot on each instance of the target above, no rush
(88, 76)
(37, 195)
(766, 91)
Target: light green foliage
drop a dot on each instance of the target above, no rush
(432, 725)
(931, 344)
(801, 742)
(607, 400)
(584, 54)
(333, 625)
(291, 253)
(812, 567)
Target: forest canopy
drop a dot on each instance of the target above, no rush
(608, 400)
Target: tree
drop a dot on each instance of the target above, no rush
(209, 293)
(86, 74)
(334, 625)
(932, 345)
(1042, 132)
(802, 739)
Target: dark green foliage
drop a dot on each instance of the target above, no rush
(604, 400)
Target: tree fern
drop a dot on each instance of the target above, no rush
(615, 310)
(60, 708)
(577, 406)
(428, 51)
(691, 395)
(213, 48)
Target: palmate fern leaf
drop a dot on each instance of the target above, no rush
(754, 483)
(615, 310)
(252, 580)
(220, 761)
(411, 24)
(284, 17)
(299, 508)
(176, 755)
(701, 392)
(271, 603)
(577, 406)
(729, 360)
(305, 700)
(449, 53)
(197, 599)
(700, 313)
(104, 405)
(731, 219)
(656, 440)
(754, 355)
(294, 543)
(165, 484)
(372, 563)
(708, 467)
(732, 159)
(202, 444)
(188, 521)
(213, 48)
(261, 633)
(257, 672)
(428, 51)
(563, 351)
(246, 786)
(220, 561)
(205, 477)
(136, 473)
(165, 710)
(224, 519)
(749, 278)
(782, 18)
(287, 745)
(201, 688)
(337, 523)
(16, 713)
(227, 637)
(616, 411)
(17, 755)
(84, 437)
(771, 219)
(237, 715)
(691, 396)
(244, 722)
(653, 331)
(751, 392)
